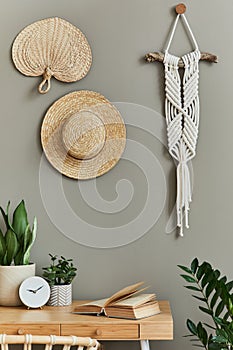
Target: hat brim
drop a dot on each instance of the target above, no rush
(53, 146)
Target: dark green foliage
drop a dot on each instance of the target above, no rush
(214, 292)
(60, 271)
(16, 244)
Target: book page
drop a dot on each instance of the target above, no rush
(100, 303)
(134, 301)
(124, 293)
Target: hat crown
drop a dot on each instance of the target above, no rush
(83, 135)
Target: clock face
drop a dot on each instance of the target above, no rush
(34, 292)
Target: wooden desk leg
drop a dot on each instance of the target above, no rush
(145, 345)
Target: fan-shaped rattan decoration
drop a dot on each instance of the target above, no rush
(83, 135)
(52, 47)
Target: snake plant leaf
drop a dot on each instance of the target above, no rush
(24, 243)
(30, 237)
(18, 256)
(27, 238)
(2, 247)
(34, 230)
(26, 252)
(11, 246)
(6, 217)
(20, 220)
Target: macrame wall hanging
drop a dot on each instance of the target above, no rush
(182, 112)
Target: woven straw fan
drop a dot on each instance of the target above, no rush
(52, 47)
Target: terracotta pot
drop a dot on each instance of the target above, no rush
(61, 295)
(10, 279)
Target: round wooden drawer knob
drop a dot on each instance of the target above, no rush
(20, 331)
(98, 332)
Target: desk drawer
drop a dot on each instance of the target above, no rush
(39, 329)
(157, 332)
(117, 331)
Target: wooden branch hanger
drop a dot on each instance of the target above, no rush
(159, 56)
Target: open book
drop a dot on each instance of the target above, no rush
(128, 302)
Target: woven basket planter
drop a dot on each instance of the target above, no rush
(61, 295)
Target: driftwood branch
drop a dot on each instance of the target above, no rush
(159, 57)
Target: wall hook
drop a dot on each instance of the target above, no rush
(180, 9)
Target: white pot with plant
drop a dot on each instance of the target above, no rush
(15, 248)
(60, 275)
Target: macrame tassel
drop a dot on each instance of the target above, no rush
(182, 118)
(184, 194)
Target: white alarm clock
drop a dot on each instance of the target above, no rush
(34, 292)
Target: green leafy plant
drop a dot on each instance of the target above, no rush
(214, 291)
(61, 271)
(16, 243)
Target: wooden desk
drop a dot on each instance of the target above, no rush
(60, 321)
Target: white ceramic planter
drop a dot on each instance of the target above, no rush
(10, 279)
(60, 295)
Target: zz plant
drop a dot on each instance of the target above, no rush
(16, 243)
(214, 291)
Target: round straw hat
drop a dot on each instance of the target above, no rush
(83, 135)
(52, 47)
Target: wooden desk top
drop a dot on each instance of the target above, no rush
(60, 321)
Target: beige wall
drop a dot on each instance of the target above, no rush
(120, 33)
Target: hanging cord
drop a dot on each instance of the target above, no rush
(182, 118)
(174, 29)
(190, 31)
(45, 85)
(172, 33)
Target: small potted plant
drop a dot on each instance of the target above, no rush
(15, 248)
(60, 274)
